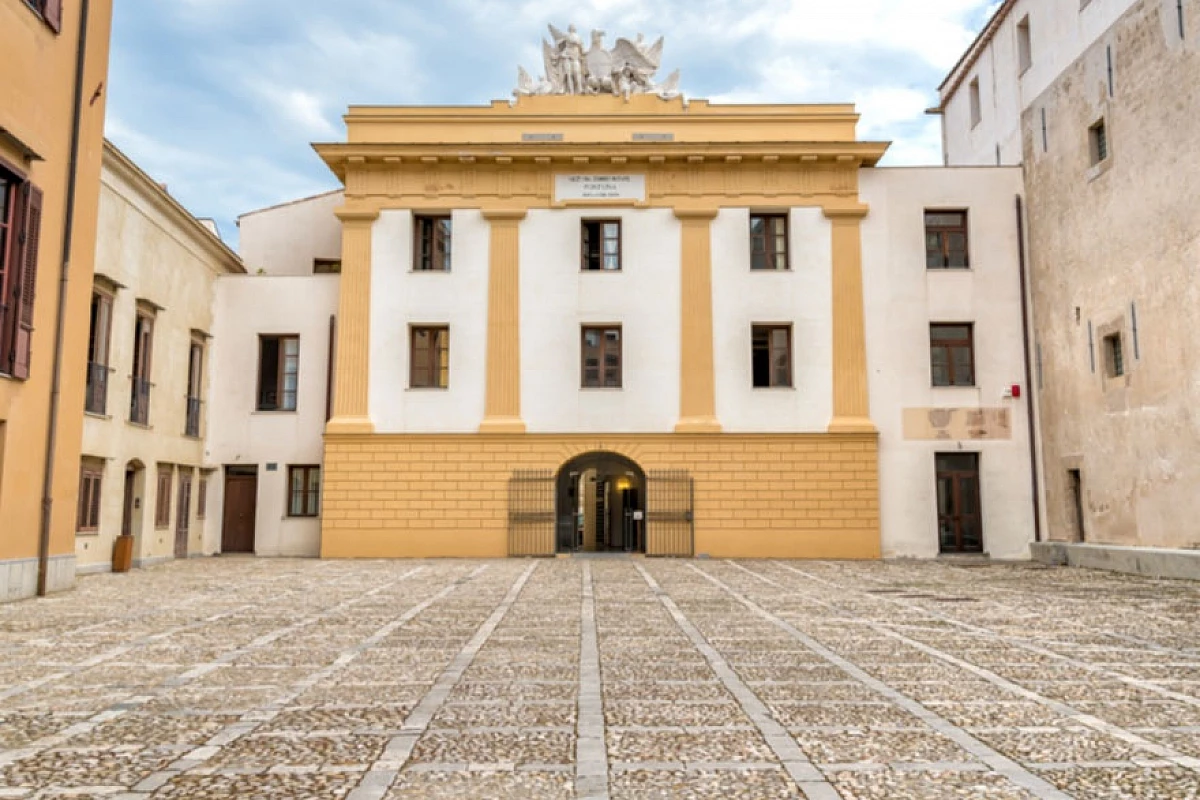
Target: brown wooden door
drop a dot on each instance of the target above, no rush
(960, 523)
(241, 500)
(183, 522)
(127, 506)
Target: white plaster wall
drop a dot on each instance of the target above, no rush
(246, 307)
(557, 298)
(901, 299)
(1060, 32)
(801, 296)
(400, 298)
(284, 239)
(155, 258)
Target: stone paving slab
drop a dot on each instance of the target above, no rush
(616, 678)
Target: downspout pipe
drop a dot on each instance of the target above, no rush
(1033, 461)
(60, 319)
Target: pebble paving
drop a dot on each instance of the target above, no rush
(603, 678)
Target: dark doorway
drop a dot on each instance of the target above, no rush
(600, 505)
(1075, 478)
(241, 503)
(960, 527)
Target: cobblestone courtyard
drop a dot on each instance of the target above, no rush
(241, 678)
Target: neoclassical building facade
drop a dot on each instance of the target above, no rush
(587, 323)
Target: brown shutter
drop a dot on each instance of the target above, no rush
(53, 14)
(26, 280)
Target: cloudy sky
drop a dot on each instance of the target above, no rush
(220, 99)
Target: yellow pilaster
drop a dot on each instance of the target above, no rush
(697, 383)
(351, 413)
(502, 407)
(851, 407)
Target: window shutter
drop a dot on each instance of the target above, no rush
(26, 279)
(53, 14)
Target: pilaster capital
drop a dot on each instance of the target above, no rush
(695, 214)
(846, 214)
(360, 214)
(504, 214)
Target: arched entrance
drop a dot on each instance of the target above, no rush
(600, 505)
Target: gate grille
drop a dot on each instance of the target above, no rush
(531, 513)
(671, 527)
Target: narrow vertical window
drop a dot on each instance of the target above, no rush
(278, 372)
(976, 103)
(304, 491)
(771, 356)
(946, 240)
(601, 357)
(1114, 356)
(952, 354)
(202, 497)
(431, 243)
(195, 384)
(21, 207)
(600, 241)
(91, 477)
(768, 242)
(1024, 45)
(143, 349)
(1045, 134)
(99, 335)
(1098, 142)
(162, 498)
(429, 357)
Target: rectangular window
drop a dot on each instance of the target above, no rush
(304, 491)
(327, 266)
(91, 476)
(946, 240)
(1114, 356)
(99, 334)
(202, 497)
(1098, 142)
(601, 357)
(48, 10)
(20, 234)
(771, 355)
(431, 243)
(143, 348)
(601, 244)
(952, 354)
(768, 242)
(162, 498)
(278, 372)
(429, 361)
(1024, 46)
(195, 384)
(976, 103)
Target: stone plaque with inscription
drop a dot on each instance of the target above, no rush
(599, 187)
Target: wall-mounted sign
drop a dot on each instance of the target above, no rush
(599, 187)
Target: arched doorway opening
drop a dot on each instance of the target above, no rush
(600, 505)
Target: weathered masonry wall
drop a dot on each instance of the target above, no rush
(1115, 246)
(783, 495)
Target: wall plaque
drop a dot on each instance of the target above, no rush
(599, 187)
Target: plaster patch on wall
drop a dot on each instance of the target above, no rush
(954, 424)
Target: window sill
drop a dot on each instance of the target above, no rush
(301, 517)
(773, 388)
(936, 270)
(601, 271)
(193, 436)
(430, 271)
(146, 426)
(427, 389)
(1097, 170)
(266, 412)
(941, 387)
(767, 271)
(98, 415)
(87, 534)
(601, 388)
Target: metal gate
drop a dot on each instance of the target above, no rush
(531, 513)
(672, 527)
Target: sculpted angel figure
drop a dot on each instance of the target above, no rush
(568, 52)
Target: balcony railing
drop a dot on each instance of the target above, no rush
(96, 401)
(193, 417)
(139, 406)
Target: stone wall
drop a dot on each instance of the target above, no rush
(1115, 247)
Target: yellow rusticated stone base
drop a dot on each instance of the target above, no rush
(756, 496)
